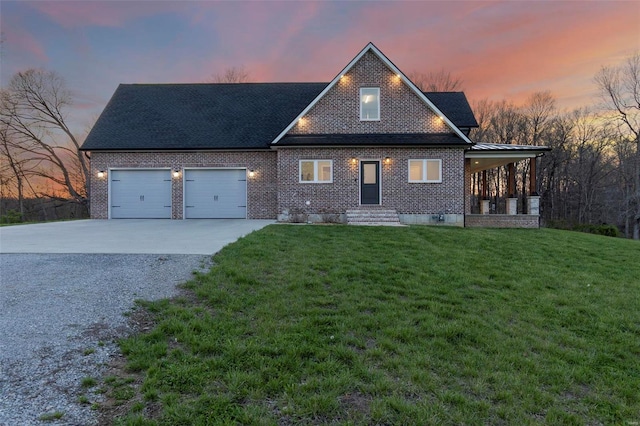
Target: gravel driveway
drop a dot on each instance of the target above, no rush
(59, 317)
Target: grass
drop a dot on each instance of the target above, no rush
(51, 417)
(417, 325)
(88, 382)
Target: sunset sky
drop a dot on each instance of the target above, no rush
(500, 49)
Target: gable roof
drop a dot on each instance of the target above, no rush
(372, 48)
(198, 116)
(225, 116)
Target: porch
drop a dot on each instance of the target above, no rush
(499, 204)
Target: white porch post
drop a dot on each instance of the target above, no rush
(533, 205)
(484, 207)
(512, 206)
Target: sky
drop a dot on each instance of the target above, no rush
(499, 49)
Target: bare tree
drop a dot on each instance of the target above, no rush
(436, 81)
(12, 169)
(33, 111)
(620, 90)
(232, 75)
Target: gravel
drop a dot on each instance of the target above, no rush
(60, 316)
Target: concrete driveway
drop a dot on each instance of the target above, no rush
(127, 236)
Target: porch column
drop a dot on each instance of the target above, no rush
(532, 176)
(484, 202)
(533, 201)
(512, 201)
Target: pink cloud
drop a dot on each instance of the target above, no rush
(500, 49)
(21, 41)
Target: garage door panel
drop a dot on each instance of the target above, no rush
(140, 194)
(215, 194)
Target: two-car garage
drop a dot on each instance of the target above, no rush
(207, 193)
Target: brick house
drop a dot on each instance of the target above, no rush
(368, 146)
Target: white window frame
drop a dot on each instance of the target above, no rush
(315, 171)
(424, 179)
(378, 104)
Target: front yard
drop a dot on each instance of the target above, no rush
(417, 325)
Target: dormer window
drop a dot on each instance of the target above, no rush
(369, 104)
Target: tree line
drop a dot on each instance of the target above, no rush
(591, 175)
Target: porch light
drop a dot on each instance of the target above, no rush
(387, 160)
(176, 173)
(252, 173)
(354, 160)
(101, 174)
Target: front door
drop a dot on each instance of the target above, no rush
(370, 182)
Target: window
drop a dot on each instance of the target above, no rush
(316, 171)
(369, 104)
(425, 171)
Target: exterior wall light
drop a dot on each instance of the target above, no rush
(387, 160)
(176, 173)
(252, 173)
(354, 160)
(101, 174)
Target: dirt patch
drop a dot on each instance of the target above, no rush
(116, 376)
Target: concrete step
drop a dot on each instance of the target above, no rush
(372, 216)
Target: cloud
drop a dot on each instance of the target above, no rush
(23, 43)
(73, 14)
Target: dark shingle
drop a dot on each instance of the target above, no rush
(198, 116)
(223, 116)
(375, 139)
(455, 106)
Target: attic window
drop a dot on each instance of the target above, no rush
(369, 104)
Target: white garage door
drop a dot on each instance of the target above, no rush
(215, 194)
(140, 194)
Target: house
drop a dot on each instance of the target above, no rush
(367, 146)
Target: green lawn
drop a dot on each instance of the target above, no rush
(416, 325)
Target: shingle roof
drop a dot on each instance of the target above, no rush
(198, 116)
(373, 139)
(229, 116)
(455, 106)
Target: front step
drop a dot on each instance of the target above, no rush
(372, 216)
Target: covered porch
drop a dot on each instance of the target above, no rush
(500, 204)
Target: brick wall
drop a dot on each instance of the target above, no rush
(502, 221)
(401, 111)
(397, 192)
(261, 189)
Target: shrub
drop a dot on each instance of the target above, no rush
(11, 216)
(604, 229)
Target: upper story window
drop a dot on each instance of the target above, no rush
(316, 171)
(429, 171)
(369, 104)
